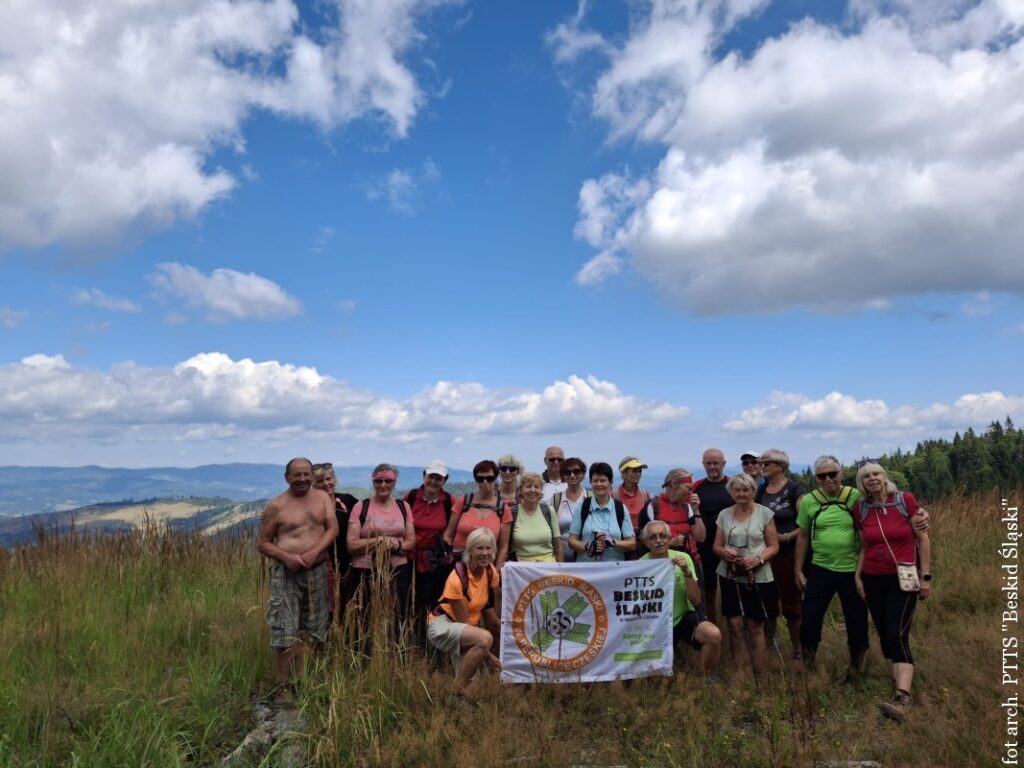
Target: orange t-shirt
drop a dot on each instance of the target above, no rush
(634, 502)
(479, 593)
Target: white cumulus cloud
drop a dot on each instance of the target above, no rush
(836, 412)
(225, 294)
(211, 396)
(110, 112)
(832, 166)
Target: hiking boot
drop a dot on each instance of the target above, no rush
(856, 671)
(898, 706)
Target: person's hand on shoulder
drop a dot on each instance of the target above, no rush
(922, 520)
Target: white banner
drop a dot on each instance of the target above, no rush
(584, 622)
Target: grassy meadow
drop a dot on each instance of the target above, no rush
(150, 648)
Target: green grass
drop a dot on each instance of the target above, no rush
(148, 649)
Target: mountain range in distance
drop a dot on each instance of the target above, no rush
(40, 490)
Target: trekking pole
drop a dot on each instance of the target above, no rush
(764, 610)
(746, 631)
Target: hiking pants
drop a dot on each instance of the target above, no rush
(822, 585)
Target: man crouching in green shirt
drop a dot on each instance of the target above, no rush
(687, 626)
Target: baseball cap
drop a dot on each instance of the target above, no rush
(750, 454)
(436, 467)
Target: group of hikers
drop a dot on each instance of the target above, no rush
(750, 547)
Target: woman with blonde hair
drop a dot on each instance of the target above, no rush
(456, 625)
(510, 478)
(535, 535)
(893, 571)
(745, 541)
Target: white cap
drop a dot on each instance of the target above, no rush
(436, 467)
(751, 454)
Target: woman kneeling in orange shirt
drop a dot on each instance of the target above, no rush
(468, 597)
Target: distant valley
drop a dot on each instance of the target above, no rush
(37, 490)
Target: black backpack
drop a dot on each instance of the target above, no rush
(446, 499)
(364, 508)
(620, 513)
(652, 511)
(548, 513)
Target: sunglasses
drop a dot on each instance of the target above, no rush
(383, 481)
(751, 463)
(508, 468)
(554, 459)
(827, 475)
(485, 478)
(323, 465)
(573, 472)
(765, 463)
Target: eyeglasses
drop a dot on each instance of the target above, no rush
(508, 468)
(862, 462)
(383, 481)
(573, 472)
(827, 475)
(323, 465)
(485, 478)
(554, 459)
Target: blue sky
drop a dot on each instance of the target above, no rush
(405, 230)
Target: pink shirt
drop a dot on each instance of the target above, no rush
(380, 522)
(469, 522)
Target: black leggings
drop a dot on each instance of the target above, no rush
(822, 585)
(892, 610)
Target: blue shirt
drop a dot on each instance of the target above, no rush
(602, 519)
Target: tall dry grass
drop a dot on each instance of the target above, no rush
(137, 649)
(146, 649)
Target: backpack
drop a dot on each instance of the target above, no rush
(620, 513)
(655, 514)
(556, 499)
(548, 513)
(364, 508)
(446, 499)
(842, 501)
(463, 573)
(899, 501)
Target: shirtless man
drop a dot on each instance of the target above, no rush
(298, 527)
